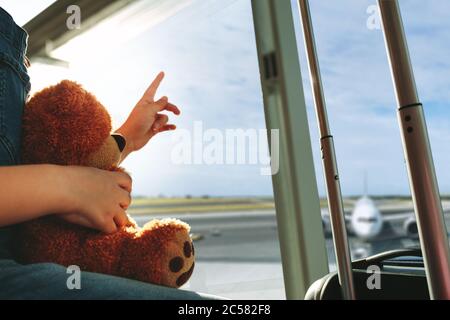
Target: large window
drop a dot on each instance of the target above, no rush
(208, 172)
(24, 11)
(362, 111)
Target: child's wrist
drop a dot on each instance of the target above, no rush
(129, 145)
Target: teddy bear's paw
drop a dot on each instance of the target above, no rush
(179, 263)
(161, 252)
(180, 259)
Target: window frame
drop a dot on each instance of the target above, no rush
(301, 236)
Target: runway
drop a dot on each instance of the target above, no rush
(239, 255)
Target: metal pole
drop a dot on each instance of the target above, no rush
(422, 177)
(336, 208)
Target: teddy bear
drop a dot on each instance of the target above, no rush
(66, 125)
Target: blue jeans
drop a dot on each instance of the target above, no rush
(47, 280)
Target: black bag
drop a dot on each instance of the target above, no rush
(402, 276)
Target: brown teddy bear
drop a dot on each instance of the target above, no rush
(66, 125)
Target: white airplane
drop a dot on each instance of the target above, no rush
(367, 222)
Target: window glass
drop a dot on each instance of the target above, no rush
(23, 11)
(363, 117)
(209, 171)
(207, 49)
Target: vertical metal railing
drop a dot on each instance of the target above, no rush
(419, 161)
(335, 205)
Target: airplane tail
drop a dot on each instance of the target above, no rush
(365, 185)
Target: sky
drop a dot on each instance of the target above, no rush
(208, 51)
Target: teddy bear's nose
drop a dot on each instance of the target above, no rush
(120, 140)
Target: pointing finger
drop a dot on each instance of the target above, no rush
(149, 94)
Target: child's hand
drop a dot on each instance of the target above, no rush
(94, 198)
(145, 120)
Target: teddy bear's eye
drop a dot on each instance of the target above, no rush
(120, 140)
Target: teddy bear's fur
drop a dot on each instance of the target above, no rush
(66, 125)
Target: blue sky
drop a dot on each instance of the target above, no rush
(209, 54)
(360, 96)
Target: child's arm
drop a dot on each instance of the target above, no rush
(87, 196)
(145, 121)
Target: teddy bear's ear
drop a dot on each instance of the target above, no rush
(63, 124)
(108, 156)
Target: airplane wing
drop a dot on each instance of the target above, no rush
(397, 218)
(388, 214)
(392, 217)
(401, 215)
(326, 216)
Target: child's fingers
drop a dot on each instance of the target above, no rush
(123, 180)
(149, 95)
(172, 108)
(121, 219)
(105, 223)
(125, 199)
(161, 104)
(164, 104)
(161, 120)
(108, 226)
(78, 219)
(168, 127)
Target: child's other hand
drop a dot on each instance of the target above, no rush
(95, 198)
(145, 120)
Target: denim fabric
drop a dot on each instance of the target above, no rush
(47, 281)
(14, 88)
